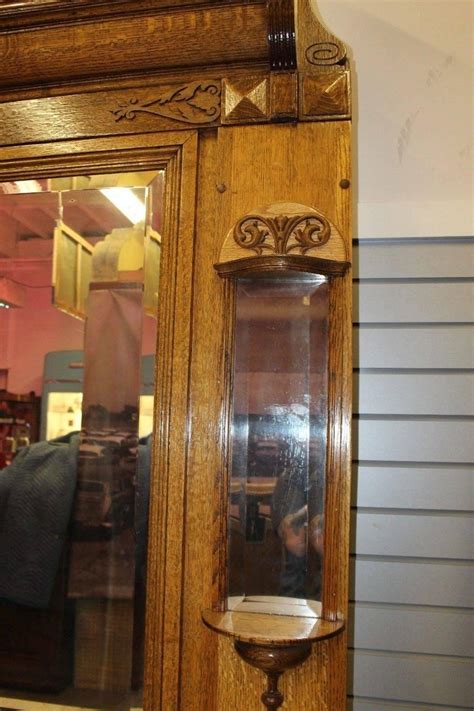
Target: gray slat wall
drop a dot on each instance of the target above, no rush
(412, 576)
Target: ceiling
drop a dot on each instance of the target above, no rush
(29, 210)
(32, 218)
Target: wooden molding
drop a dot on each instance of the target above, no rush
(264, 53)
(282, 34)
(269, 62)
(36, 13)
(255, 266)
(317, 47)
(200, 101)
(245, 100)
(325, 95)
(124, 43)
(195, 102)
(283, 236)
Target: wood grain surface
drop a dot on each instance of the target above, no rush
(245, 183)
(274, 630)
(64, 75)
(31, 13)
(316, 46)
(134, 43)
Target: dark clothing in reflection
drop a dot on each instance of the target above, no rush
(36, 501)
(36, 498)
(280, 504)
(293, 576)
(293, 498)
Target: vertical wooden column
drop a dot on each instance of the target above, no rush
(242, 168)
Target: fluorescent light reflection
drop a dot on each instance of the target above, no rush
(127, 202)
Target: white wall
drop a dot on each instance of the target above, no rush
(413, 95)
(412, 585)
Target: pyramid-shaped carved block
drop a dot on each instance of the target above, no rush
(245, 100)
(325, 94)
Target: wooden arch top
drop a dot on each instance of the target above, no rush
(283, 236)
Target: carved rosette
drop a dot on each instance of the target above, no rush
(283, 236)
(198, 102)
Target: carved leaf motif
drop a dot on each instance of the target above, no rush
(197, 102)
(282, 234)
(314, 232)
(251, 233)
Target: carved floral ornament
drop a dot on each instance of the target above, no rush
(283, 236)
(198, 102)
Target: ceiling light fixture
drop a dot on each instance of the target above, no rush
(127, 202)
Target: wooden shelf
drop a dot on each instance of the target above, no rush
(271, 630)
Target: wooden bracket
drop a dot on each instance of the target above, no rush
(274, 661)
(272, 643)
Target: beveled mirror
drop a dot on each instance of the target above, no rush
(282, 260)
(81, 255)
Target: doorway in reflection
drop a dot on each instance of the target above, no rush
(79, 280)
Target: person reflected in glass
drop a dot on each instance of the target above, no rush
(264, 468)
(297, 518)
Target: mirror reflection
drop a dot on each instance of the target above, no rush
(278, 444)
(79, 281)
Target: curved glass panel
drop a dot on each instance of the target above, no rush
(279, 422)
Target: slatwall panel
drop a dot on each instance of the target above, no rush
(412, 575)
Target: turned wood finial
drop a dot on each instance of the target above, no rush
(272, 698)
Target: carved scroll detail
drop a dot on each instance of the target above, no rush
(282, 234)
(326, 53)
(198, 102)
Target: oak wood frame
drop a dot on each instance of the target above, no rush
(84, 137)
(338, 444)
(325, 673)
(176, 154)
